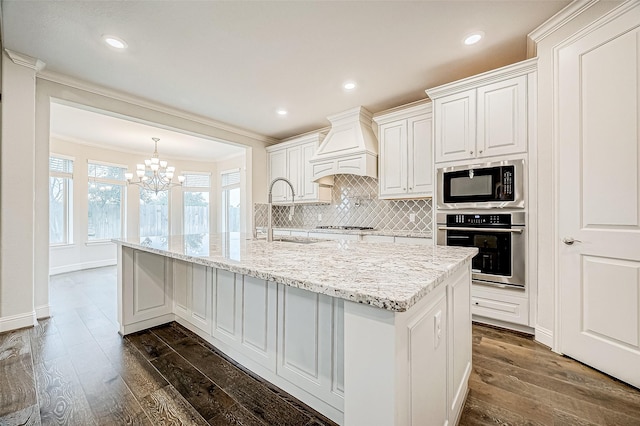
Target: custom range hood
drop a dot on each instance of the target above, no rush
(350, 147)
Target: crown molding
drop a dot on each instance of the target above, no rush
(552, 24)
(125, 97)
(513, 70)
(423, 106)
(25, 60)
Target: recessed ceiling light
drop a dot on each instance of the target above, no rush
(473, 38)
(114, 42)
(349, 85)
(282, 112)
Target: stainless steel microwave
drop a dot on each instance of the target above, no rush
(482, 186)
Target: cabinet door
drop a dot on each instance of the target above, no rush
(502, 117)
(393, 159)
(278, 168)
(420, 157)
(455, 132)
(294, 162)
(308, 188)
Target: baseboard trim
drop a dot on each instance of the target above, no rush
(502, 324)
(81, 266)
(43, 311)
(544, 336)
(15, 322)
(144, 324)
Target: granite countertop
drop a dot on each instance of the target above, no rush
(364, 272)
(383, 232)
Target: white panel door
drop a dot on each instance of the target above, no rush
(502, 117)
(278, 168)
(455, 132)
(599, 193)
(420, 157)
(393, 158)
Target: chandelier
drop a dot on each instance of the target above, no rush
(154, 175)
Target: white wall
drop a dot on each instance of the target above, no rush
(546, 182)
(81, 253)
(17, 308)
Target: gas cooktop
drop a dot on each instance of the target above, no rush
(346, 228)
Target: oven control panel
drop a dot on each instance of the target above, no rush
(479, 220)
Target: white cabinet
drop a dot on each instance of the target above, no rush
(483, 116)
(504, 305)
(291, 160)
(405, 161)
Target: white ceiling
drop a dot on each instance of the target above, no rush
(98, 128)
(239, 61)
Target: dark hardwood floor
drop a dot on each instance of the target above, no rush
(75, 369)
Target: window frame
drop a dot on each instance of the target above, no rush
(186, 188)
(123, 198)
(67, 200)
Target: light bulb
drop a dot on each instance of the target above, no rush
(180, 178)
(155, 167)
(163, 164)
(147, 163)
(140, 173)
(128, 176)
(155, 160)
(169, 175)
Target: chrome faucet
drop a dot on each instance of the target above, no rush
(269, 218)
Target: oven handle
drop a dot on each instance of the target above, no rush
(453, 228)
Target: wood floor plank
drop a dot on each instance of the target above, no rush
(481, 413)
(141, 377)
(29, 416)
(17, 382)
(205, 396)
(254, 395)
(170, 333)
(535, 411)
(111, 401)
(235, 415)
(149, 345)
(47, 347)
(61, 398)
(166, 406)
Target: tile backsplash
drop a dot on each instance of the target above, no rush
(354, 203)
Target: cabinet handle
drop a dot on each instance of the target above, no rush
(470, 152)
(480, 151)
(404, 189)
(411, 188)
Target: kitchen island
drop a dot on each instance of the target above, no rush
(365, 333)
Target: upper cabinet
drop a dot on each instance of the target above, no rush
(483, 116)
(405, 159)
(291, 160)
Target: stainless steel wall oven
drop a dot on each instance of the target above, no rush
(500, 238)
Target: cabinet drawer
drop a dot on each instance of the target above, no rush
(504, 307)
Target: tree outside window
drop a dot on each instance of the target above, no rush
(106, 195)
(60, 200)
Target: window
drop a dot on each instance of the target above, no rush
(60, 200)
(154, 217)
(231, 201)
(196, 203)
(106, 201)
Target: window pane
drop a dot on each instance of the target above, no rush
(231, 210)
(105, 211)
(57, 210)
(154, 215)
(196, 212)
